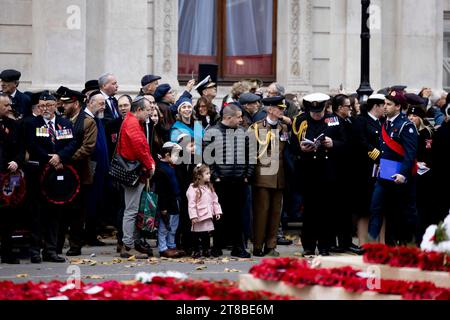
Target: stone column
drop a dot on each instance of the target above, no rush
(412, 43)
(118, 41)
(165, 44)
(58, 43)
(294, 45)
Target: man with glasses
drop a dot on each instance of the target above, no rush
(49, 142)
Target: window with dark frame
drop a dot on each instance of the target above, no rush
(238, 35)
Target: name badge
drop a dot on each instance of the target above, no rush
(42, 132)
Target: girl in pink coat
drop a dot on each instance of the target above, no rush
(204, 206)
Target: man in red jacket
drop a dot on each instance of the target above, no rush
(133, 146)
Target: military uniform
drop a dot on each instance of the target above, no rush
(11, 149)
(401, 210)
(267, 188)
(40, 144)
(316, 173)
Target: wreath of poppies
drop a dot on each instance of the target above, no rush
(161, 288)
(12, 198)
(298, 273)
(74, 193)
(406, 257)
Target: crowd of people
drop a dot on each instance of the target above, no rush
(351, 168)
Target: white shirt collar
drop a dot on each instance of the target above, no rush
(373, 117)
(393, 118)
(89, 112)
(53, 120)
(13, 95)
(271, 122)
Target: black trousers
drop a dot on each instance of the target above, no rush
(232, 197)
(7, 223)
(73, 219)
(201, 240)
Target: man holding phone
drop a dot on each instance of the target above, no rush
(396, 183)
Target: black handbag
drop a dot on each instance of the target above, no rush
(124, 171)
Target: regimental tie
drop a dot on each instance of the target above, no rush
(51, 131)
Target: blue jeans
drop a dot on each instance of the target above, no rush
(166, 238)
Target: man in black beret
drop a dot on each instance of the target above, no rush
(149, 84)
(49, 141)
(21, 104)
(250, 103)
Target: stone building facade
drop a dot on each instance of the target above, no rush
(66, 42)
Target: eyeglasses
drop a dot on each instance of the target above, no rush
(47, 106)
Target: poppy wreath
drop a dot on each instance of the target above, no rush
(12, 198)
(73, 193)
(161, 288)
(298, 273)
(406, 257)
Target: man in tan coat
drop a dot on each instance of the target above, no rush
(85, 132)
(270, 137)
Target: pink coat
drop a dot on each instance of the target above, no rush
(205, 207)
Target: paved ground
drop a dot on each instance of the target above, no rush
(103, 263)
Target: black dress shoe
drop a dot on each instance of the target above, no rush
(356, 249)
(324, 252)
(142, 249)
(35, 259)
(72, 252)
(10, 260)
(337, 249)
(258, 253)
(309, 253)
(96, 243)
(240, 253)
(216, 252)
(284, 242)
(53, 258)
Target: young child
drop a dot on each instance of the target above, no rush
(168, 190)
(203, 206)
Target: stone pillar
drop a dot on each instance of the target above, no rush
(294, 45)
(118, 41)
(59, 43)
(412, 43)
(165, 45)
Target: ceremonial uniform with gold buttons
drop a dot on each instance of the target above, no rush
(316, 171)
(269, 180)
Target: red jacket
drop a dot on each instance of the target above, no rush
(133, 144)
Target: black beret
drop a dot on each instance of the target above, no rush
(415, 100)
(149, 78)
(276, 101)
(161, 91)
(90, 85)
(46, 96)
(34, 97)
(10, 75)
(66, 94)
(248, 97)
(417, 111)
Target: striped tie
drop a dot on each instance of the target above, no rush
(51, 131)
